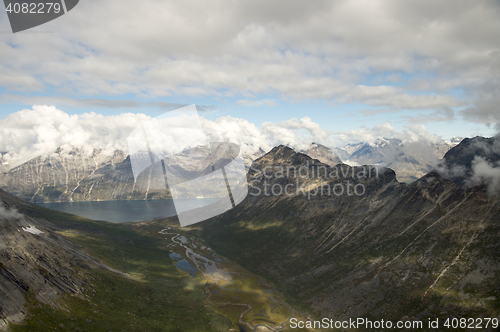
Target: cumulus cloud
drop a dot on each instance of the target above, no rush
(487, 173)
(44, 129)
(476, 162)
(444, 114)
(412, 134)
(486, 106)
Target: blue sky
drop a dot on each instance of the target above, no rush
(336, 118)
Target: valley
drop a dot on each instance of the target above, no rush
(125, 279)
(252, 303)
(250, 166)
(418, 251)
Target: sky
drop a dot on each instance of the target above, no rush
(287, 70)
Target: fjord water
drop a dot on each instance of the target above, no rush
(128, 211)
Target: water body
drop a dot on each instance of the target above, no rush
(184, 265)
(175, 256)
(224, 283)
(128, 211)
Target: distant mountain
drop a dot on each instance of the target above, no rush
(323, 154)
(98, 176)
(77, 176)
(249, 157)
(379, 152)
(82, 176)
(4, 166)
(392, 251)
(410, 160)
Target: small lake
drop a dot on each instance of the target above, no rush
(128, 211)
(184, 265)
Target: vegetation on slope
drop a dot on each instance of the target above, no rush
(155, 296)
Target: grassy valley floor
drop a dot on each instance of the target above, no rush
(148, 292)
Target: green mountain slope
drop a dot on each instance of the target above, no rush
(83, 275)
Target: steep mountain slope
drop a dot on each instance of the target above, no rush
(49, 281)
(345, 152)
(397, 252)
(35, 260)
(76, 176)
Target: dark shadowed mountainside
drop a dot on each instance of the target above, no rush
(429, 249)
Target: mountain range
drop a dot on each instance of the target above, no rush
(423, 250)
(410, 160)
(80, 175)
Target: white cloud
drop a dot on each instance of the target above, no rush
(412, 134)
(9, 213)
(43, 129)
(296, 49)
(486, 106)
(484, 168)
(257, 103)
(444, 114)
(487, 173)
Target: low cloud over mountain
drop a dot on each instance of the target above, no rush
(41, 130)
(474, 162)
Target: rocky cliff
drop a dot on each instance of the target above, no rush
(77, 176)
(323, 154)
(96, 175)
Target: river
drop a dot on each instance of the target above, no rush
(230, 288)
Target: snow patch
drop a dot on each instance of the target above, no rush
(32, 230)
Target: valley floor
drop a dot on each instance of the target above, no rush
(150, 293)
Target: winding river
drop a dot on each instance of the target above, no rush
(224, 278)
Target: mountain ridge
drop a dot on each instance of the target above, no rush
(420, 250)
(78, 175)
